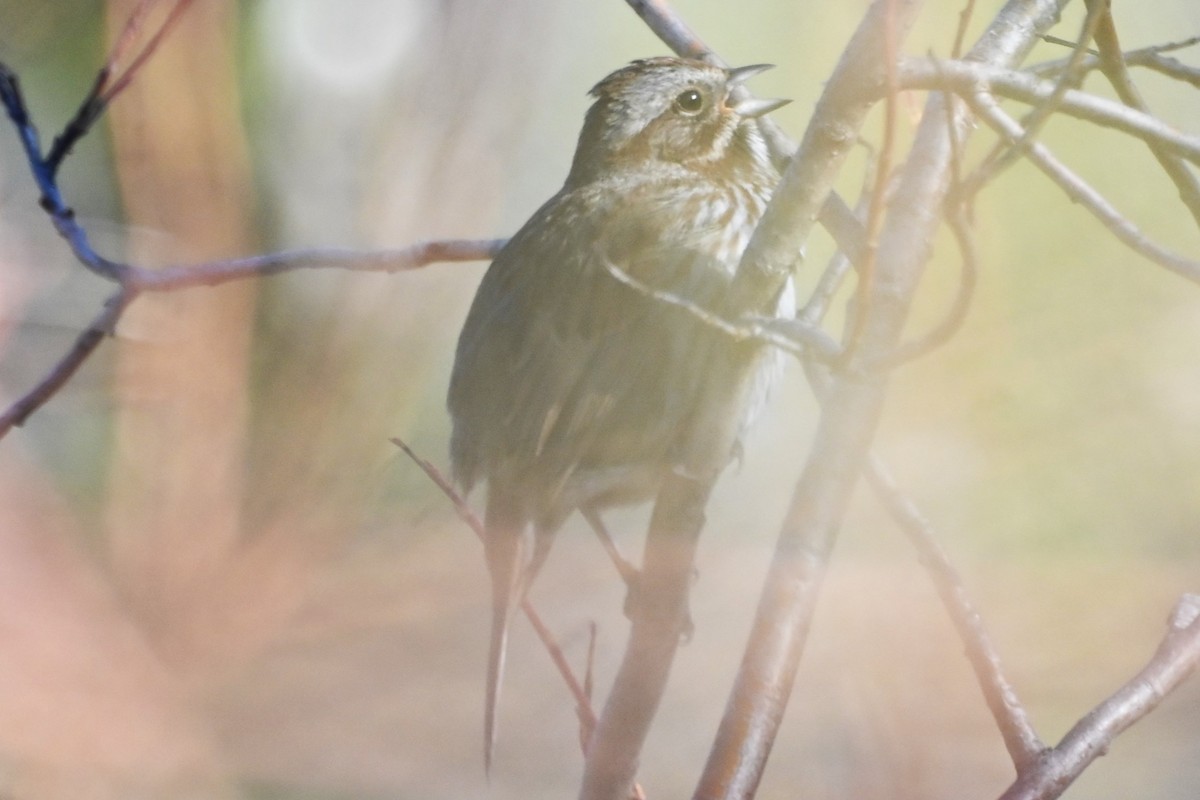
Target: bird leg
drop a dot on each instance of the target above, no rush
(629, 573)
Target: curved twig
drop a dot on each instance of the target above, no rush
(953, 320)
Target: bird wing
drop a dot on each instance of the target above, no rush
(563, 370)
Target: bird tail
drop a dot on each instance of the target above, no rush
(504, 547)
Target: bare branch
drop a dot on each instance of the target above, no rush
(967, 77)
(129, 35)
(839, 115)
(877, 204)
(212, 273)
(957, 315)
(109, 83)
(1079, 191)
(1151, 58)
(960, 33)
(790, 335)
(136, 280)
(1175, 659)
(675, 33)
(1024, 746)
(85, 344)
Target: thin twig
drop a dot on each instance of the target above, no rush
(1149, 57)
(587, 716)
(956, 214)
(134, 280)
(139, 280)
(109, 83)
(122, 81)
(960, 32)
(966, 77)
(851, 220)
(212, 273)
(85, 344)
(790, 335)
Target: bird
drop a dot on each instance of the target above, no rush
(575, 390)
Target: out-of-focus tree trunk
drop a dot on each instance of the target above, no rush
(180, 432)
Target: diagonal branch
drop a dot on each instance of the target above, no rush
(1175, 659)
(1151, 58)
(136, 280)
(58, 376)
(1024, 746)
(1081, 192)
(808, 181)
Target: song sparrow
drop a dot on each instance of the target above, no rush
(572, 390)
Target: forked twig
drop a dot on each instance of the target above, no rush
(1176, 658)
(110, 81)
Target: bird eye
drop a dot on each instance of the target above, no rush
(690, 102)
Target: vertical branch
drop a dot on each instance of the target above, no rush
(659, 618)
(878, 197)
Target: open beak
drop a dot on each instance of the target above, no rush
(741, 74)
(753, 107)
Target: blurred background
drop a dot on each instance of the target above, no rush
(219, 579)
